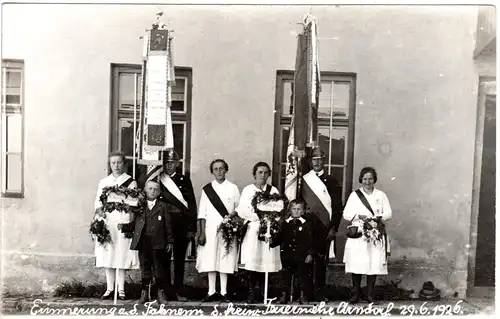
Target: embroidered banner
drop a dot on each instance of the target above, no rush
(155, 132)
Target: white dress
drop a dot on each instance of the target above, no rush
(212, 256)
(116, 254)
(255, 254)
(361, 256)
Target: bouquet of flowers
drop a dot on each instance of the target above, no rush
(269, 208)
(374, 229)
(230, 230)
(99, 231)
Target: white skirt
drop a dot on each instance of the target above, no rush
(363, 257)
(213, 256)
(256, 254)
(116, 254)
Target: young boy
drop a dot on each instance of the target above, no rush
(296, 240)
(153, 239)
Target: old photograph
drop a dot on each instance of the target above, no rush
(246, 160)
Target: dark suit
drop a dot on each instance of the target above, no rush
(296, 241)
(321, 245)
(183, 221)
(152, 233)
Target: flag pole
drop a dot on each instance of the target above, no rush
(266, 274)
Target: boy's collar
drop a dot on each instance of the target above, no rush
(302, 220)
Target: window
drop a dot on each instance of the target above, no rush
(12, 128)
(336, 115)
(126, 84)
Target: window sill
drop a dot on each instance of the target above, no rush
(12, 195)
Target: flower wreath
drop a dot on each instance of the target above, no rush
(272, 215)
(134, 193)
(98, 229)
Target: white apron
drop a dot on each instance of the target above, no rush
(212, 256)
(360, 256)
(255, 254)
(116, 254)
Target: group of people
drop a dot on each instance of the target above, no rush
(300, 248)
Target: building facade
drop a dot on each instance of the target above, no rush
(404, 89)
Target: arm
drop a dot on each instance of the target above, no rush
(245, 209)
(201, 222)
(350, 209)
(191, 200)
(310, 240)
(336, 197)
(277, 239)
(168, 225)
(386, 208)
(97, 201)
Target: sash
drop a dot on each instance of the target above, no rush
(215, 200)
(367, 205)
(173, 189)
(364, 201)
(316, 196)
(267, 191)
(127, 182)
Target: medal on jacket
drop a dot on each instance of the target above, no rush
(300, 228)
(159, 217)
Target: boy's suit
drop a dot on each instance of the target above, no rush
(152, 235)
(296, 240)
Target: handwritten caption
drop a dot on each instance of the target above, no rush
(343, 308)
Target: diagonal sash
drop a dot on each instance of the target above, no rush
(364, 201)
(173, 189)
(127, 182)
(317, 197)
(367, 205)
(215, 200)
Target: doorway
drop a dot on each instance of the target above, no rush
(482, 257)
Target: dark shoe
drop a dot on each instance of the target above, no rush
(371, 300)
(121, 295)
(210, 298)
(162, 300)
(354, 299)
(284, 298)
(224, 298)
(180, 297)
(302, 298)
(144, 297)
(108, 294)
(252, 298)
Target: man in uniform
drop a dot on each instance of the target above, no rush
(177, 192)
(323, 196)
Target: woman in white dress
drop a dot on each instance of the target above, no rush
(117, 254)
(256, 257)
(360, 256)
(212, 257)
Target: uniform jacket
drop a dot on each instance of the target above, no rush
(335, 192)
(161, 227)
(174, 206)
(296, 240)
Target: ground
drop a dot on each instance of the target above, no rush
(34, 305)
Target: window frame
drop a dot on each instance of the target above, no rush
(7, 110)
(178, 117)
(348, 122)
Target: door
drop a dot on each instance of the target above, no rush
(482, 270)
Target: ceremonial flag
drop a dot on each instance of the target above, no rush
(291, 167)
(306, 89)
(155, 133)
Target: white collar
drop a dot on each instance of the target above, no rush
(152, 201)
(319, 173)
(215, 182)
(302, 220)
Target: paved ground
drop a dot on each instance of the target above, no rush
(92, 306)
